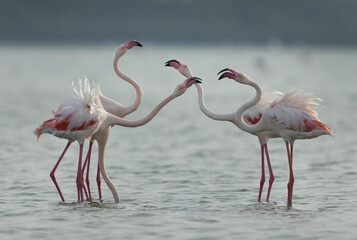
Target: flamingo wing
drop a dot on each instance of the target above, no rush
(295, 111)
(80, 113)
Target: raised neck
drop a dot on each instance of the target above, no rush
(239, 121)
(138, 90)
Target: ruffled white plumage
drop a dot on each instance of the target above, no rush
(293, 110)
(81, 113)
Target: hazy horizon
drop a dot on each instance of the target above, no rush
(318, 22)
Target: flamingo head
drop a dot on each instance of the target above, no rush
(122, 49)
(131, 44)
(182, 68)
(182, 87)
(237, 76)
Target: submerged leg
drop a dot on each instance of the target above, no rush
(79, 181)
(103, 172)
(271, 175)
(87, 164)
(99, 183)
(262, 179)
(291, 174)
(52, 174)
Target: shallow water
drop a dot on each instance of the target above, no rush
(181, 176)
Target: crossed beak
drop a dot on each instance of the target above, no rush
(196, 79)
(227, 73)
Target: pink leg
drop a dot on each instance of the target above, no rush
(79, 181)
(82, 181)
(291, 174)
(52, 174)
(98, 183)
(271, 175)
(262, 179)
(84, 187)
(85, 190)
(292, 179)
(87, 164)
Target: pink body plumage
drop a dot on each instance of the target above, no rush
(294, 112)
(75, 119)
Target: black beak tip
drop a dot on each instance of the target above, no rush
(226, 69)
(138, 44)
(167, 64)
(197, 79)
(221, 77)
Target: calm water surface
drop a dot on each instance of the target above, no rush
(182, 176)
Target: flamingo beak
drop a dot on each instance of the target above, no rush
(138, 44)
(131, 44)
(223, 70)
(196, 79)
(171, 63)
(228, 73)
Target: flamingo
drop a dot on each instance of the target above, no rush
(111, 120)
(290, 117)
(252, 115)
(74, 120)
(116, 109)
(69, 123)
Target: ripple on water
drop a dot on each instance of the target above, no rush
(183, 176)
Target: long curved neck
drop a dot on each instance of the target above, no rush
(208, 113)
(239, 114)
(139, 92)
(103, 171)
(113, 120)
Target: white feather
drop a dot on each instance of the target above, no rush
(293, 109)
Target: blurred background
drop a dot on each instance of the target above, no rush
(183, 175)
(326, 22)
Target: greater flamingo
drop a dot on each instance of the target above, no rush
(115, 108)
(112, 120)
(252, 115)
(75, 120)
(291, 117)
(253, 112)
(79, 118)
